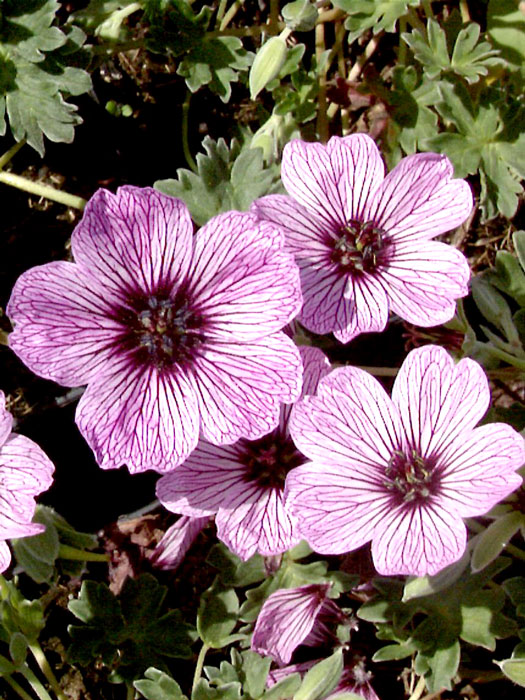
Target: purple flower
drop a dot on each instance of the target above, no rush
(401, 472)
(25, 471)
(287, 619)
(243, 484)
(173, 333)
(176, 541)
(363, 240)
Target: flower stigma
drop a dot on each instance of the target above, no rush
(411, 478)
(160, 330)
(359, 246)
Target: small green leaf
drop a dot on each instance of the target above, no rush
(322, 678)
(518, 238)
(285, 688)
(217, 615)
(493, 540)
(18, 647)
(427, 585)
(227, 691)
(394, 652)
(377, 15)
(254, 672)
(300, 15)
(506, 28)
(158, 686)
(514, 668)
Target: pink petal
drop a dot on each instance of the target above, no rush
(324, 306)
(25, 471)
(253, 519)
(176, 541)
(63, 330)
(338, 508)
(358, 170)
(422, 283)
(137, 237)
(365, 309)
(315, 366)
(239, 387)
(304, 229)
(418, 200)
(479, 469)
(286, 619)
(308, 176)
(6, 420)
(437, 400)
(242, 281)
(200, 486)
(418, 541)
(5, 556)
(350, 422)
(139, 417)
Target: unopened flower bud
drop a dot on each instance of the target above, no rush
(267, 64)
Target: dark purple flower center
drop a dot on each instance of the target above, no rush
(412, 478)
(269, 459)
(161, 330)
(359, 247)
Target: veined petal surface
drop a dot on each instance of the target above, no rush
(137, 238)
(139, 416)
(63, 325)
(419, 199)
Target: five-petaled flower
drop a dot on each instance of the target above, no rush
(173, 333)
(403, 471)
(25, 471)
(363, 240)
(243, 484)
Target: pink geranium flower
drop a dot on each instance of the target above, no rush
(173, 333)
(25, 471)
(243, 484)
(403, 471)
(363, 241)
(287, 618)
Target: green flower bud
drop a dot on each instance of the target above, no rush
(300, 16)
(267, 64)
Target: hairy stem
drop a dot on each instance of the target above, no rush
(199, 666)
(370, 48)
(40, 190)
(43, 663)
(465, 13)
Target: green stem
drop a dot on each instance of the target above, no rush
(463, 8)
(8, 155)
(185, 145)
(418, 690)
(427, 8)
(414, 20)
(130, 694)
(220, 13)
(17, 688)
(231, 14)
(36, 188)
(199, 666)
(322, 116)
(34, 682)
(65, 551)
(43, 663)
(402, 50)
(108, 49)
